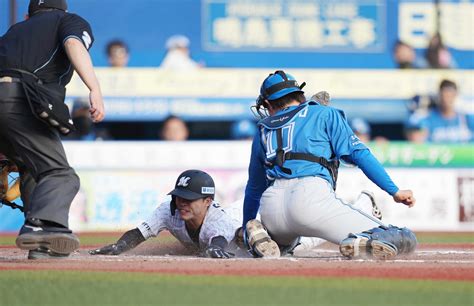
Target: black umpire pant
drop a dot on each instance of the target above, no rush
(48, 183)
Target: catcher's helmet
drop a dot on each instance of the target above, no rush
(45, 4)
(275, 86)
(279, 84)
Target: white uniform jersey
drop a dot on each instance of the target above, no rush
(216, 223)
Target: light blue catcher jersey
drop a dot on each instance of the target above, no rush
(314, 129)
(317, 130)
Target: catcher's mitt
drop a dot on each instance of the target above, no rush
(322, 98)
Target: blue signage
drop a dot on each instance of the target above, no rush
(294, 25)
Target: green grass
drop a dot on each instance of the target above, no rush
(112, 288)
(426, 237)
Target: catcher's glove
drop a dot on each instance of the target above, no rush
(322, 98)
(217, 252)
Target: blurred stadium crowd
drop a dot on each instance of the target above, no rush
(185, 35)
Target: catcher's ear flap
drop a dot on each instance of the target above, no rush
(173, 205)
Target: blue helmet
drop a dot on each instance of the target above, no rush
(275, 86)
(279, 84)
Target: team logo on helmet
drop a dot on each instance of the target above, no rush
(183, 181)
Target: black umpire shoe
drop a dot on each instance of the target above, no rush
(37, 235)
(43, 253)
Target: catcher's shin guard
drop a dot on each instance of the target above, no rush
(363, 246)
(403, 238)
(259, 242)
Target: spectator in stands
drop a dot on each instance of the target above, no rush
(361, 129)
(85, 129)
(243, 130)
(178, 55)
(437, 55)
(117, 53)
(414, 131)
(405, 56)
(174, 129)
(444, 123)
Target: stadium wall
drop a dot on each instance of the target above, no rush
(122, 182)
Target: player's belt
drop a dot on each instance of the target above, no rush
(7, 79)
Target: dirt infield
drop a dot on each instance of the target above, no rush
(437, 262)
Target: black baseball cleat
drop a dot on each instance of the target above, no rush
(35, 235)
(43, 253)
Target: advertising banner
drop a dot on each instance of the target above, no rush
(123, 182)
(328, 26)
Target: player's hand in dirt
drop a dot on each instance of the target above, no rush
(405, 197)
(111, 249)
(217, 252)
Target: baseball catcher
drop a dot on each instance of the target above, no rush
(293, 174)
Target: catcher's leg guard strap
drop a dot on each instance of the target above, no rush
(403, 238)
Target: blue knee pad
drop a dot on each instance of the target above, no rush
(402, 238)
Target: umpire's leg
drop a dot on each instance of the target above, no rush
(40, 149)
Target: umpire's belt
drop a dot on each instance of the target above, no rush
(11, 90)
(7, 79)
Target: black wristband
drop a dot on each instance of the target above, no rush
(130, 239)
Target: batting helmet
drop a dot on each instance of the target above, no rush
(36, 5)
(192, 185)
